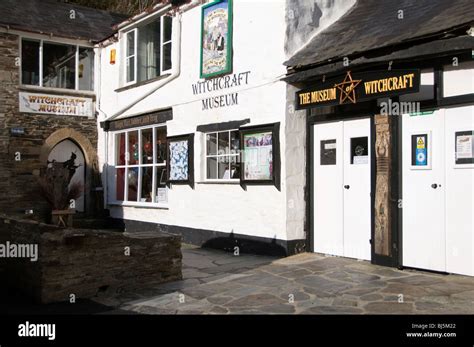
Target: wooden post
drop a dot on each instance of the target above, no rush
(383, 153)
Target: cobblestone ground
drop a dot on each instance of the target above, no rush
(220, 283)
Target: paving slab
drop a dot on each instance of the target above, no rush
(217, 282)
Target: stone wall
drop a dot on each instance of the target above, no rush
(85, 262)
(297, 193)
(18, 179)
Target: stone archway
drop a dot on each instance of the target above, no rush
(90, 156)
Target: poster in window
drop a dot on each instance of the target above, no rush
(359, 150)
(216, 38)
(328, 152)
(258, 155)
(162, 195)
(464, 147)
(180, 159)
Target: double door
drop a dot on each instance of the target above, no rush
(438, 191)
(341, 188)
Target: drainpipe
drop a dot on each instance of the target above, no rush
(175, 72)
(106, 133)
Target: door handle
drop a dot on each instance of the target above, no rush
(434, 186)
(347, 186)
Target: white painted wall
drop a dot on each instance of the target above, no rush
(258, 45)
(307, 18)
(458, 80)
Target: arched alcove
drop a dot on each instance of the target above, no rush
(68, 138)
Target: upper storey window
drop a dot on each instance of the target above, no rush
(148, 50)
(56, 65)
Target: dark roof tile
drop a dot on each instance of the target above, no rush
(53, 17)
(372, 24)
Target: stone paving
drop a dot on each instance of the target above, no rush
(215, 282)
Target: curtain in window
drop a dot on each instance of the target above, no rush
(149, 51)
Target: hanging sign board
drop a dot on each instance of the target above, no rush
(216, 38)
(353, 88)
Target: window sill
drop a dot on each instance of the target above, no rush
(58, 91)
(237, 182)
(139, 205)
(139, 84)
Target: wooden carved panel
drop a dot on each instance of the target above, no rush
(382, 186)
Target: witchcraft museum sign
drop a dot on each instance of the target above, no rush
(359, 87)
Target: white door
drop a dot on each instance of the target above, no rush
(327, 189)
(341, 188)
(61, 153)
(357, 202)
(424, 241)
(459, 161)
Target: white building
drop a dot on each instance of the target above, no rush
(150, 90)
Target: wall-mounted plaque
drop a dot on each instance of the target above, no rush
(59, 105)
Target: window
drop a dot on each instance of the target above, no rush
(222, 155)
(48, 64)
(148, 50)
(141, 166)
(130, 55)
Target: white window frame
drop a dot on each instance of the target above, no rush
(140, 167)
(136, 38)
(162, 33)
(229, 155)
(40, 62)
(135, 56)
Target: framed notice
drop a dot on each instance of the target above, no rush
(216, 38)
(421, 151)
(180, 161)
(260, 149)
(328, 152)
(464, 147)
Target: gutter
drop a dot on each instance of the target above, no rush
(106, 133)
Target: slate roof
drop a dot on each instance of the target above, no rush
(372, 24)
(53, 17)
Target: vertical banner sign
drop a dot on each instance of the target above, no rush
(216, 38)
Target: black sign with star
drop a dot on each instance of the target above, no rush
(356, 87)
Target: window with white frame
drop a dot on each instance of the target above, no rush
(140, 157)
(56, 65)
(222, 155)
(148, 50)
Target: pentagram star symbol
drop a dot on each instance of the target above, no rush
(347, 88)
